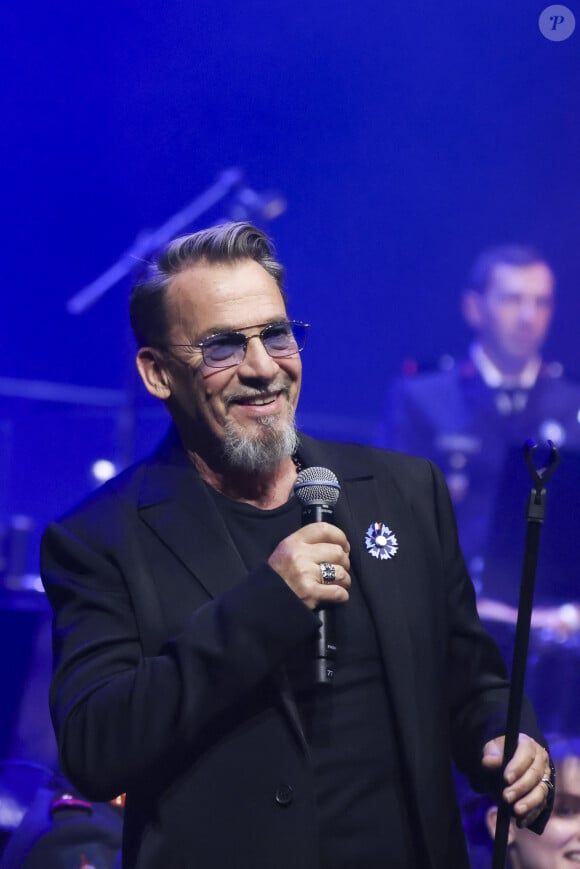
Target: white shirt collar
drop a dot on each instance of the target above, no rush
(495, 378)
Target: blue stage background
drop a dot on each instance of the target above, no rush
(404, 137)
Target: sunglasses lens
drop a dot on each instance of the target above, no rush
(284, 339)
(279, 339)
(223, 350)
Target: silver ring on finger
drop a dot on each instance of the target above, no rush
(547, 781)
(327, 572)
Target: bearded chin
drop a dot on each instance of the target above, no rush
(262, 449)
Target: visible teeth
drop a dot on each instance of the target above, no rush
(264, 400)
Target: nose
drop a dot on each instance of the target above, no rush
(529, 310)
(257, 362)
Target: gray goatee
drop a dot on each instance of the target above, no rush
(261, 451)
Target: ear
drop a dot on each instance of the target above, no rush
(491, 822)
(472, 308)
(153, 373)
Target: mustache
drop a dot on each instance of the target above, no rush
(249, 394)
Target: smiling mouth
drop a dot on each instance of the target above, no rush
(262, 399)
(256, 400)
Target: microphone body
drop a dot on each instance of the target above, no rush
(318, 490)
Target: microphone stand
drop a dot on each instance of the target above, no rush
(149, 241)
(536, 510)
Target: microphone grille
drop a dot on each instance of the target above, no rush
(317, 486)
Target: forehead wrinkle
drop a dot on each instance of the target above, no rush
(218, 295)
(218, 329)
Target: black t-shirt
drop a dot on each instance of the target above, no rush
(363, 815)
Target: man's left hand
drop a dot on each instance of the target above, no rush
(525, 791)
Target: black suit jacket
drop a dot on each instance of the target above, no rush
(169, 662)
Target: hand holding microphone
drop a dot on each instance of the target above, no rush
(299, 559)
(314, 561)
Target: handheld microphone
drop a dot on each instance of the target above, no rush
(318, 489)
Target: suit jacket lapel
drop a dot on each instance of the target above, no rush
(179, 509)
(385, 585)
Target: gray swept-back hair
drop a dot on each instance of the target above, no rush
(227, 243)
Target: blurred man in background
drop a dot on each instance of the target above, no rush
(468, 416)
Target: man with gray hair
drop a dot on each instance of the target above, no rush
(187, 601)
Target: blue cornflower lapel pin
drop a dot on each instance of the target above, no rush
(380, 541)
